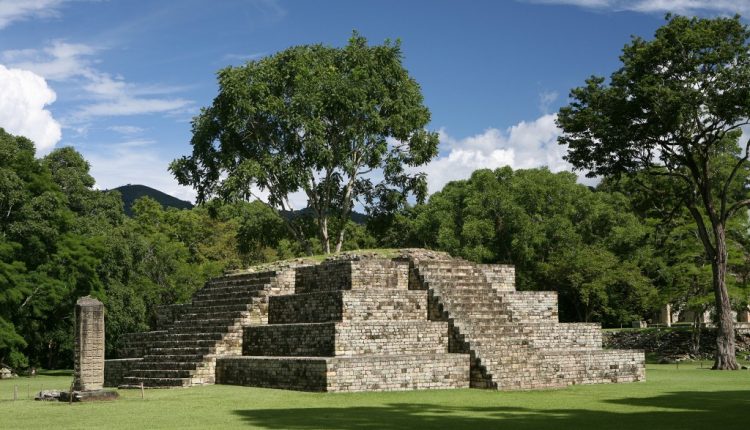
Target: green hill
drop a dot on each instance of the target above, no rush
(131, 193)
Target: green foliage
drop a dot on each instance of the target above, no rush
(560, 236)
(316, 119)
(675, 109)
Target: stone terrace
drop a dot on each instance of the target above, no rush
(366, 323)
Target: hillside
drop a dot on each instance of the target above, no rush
(131, 193)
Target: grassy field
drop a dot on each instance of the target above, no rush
(672, 398)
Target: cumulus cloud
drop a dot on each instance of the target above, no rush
(25, 96)
(523, 146)
(684, 7)
(108, 95)
(19, 10)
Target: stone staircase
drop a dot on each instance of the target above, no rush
(349, 326)
(184, 352)
(514, 338)
(356, 323)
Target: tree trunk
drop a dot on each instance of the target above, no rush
(725, 342)
(324, 235)
(695, 341)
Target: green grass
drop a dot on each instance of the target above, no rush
(672, 398)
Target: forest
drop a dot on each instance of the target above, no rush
(606, 250)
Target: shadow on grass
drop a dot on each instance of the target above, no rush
(680, 410)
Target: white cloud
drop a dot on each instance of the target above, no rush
(22, 107)
(135, 162)
(19, 10)
(109, 95)
(126, 129)
(684, 7)
(58, 61)
(523, 146)
(126, 105)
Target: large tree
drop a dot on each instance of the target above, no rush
(673, 110)
(315, 119)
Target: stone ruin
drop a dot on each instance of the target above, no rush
(88, 354)
(368, 323)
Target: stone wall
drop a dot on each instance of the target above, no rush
(375, 275)
(346, 338)
(501, 277)
(348, 374)
(348, 305)
(529, 306)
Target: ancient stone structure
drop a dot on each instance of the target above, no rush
(89, 345)
(362, 323)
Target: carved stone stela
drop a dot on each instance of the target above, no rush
(89, 346)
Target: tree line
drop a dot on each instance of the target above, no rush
(602, 249)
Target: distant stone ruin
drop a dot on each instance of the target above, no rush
(369, 323)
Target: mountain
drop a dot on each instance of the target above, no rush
(131, 193)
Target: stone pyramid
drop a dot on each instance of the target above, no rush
(367, 323)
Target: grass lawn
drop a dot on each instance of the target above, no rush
(672, 398)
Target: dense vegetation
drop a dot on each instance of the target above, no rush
(61, 239)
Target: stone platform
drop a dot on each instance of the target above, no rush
(367, 323)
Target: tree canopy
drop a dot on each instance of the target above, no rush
(674, 109)
(339, 124)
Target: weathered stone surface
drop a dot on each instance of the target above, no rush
(362, 323)
(513, 337)
(115, 370)
(354, 373)
(89, 345)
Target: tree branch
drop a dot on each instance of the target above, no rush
(725, 190)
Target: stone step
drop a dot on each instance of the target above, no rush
(175, 365)
(135, 382)
(177, 350)
(174, 358)
(248, 279)
(246, 299)
(182, 343)
(217, 292)
(198, 335)
(215, 309)
(161, 373)
(469, 308)
(466, 290)
(468, 300)
(227, 315)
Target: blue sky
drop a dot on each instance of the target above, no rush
(120, 80)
